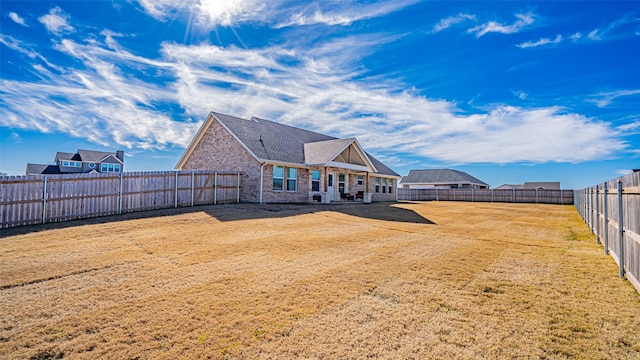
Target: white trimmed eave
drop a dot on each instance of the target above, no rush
(365, 168)
(348, 166)
(105, 158)
(283, 163)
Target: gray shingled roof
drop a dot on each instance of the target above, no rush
(84, 155)
(440, 176)
(67, 156)
(94, 156)
(270, 140)
(550, 185)
(509, 186)
(42, 169)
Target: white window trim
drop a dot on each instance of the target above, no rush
(287, 178)
(318, 181)
(273, 177)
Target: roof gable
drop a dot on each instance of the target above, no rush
(337, 152)
(96, 156)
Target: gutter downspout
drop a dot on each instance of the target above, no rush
(261, 179)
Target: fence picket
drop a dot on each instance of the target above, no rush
(33, 199)
(620, 221)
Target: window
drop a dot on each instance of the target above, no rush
(292, 179)
(65, 163)
(384, 185)
(315, 180)
(390, 186)
(278, 178)
(78, 164)
(377, 184)
(360, 180)
(110, 167)
(341, 184)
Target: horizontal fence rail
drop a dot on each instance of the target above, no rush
(612, 212)
(33, 199)
(536, 196)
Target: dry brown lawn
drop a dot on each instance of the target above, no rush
(435, 280)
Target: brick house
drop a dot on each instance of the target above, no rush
(281, 163)
(82, 161)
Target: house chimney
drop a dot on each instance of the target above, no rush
(120, 155)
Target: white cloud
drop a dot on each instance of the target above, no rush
(279, 13)
(17, 19)
(599, 34)
(56, 21)
(344, 15)
(594, 35)
(605, 98)
(210, 13)
(520, 94)
(542, 41)
(492, 26)
(105, 101)
(452, 20)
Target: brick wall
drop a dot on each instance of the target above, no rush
(219, 150)
(300, 195)
(380, 196)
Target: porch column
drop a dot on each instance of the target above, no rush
(367, 194)
(326, 180)
(366, 182)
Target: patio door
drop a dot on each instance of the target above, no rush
(331, 185)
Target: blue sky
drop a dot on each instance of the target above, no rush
(508, 91)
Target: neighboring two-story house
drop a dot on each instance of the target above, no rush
(83, 161)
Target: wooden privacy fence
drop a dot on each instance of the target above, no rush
(612, 212)
(34, 199)
(537, 196)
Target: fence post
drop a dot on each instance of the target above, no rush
(597, 215)
(44, 201)
(620, 231)
(514, 195)
(437, 197)
(536, 195)
(491, 195)
(120, 195)
(193, 186)
(591, 209)
(176, 192)
(472, 197)
(605, 220)
(238, 190)
(215, 187)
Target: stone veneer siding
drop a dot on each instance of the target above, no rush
(219, 150)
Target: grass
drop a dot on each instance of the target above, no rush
(409, 280)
